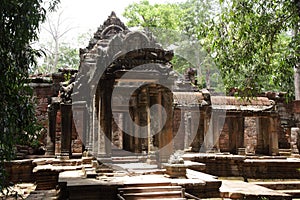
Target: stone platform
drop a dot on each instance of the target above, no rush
(242, 190)
(86, 179)
(105, 186)
(257, 167)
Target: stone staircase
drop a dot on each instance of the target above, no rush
(43, 194)
(288, 187)
(285, 152)
(144, 191)
(120, 157)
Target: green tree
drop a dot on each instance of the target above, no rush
(144, 14)
(179, 25)
(254, 46)
(66, 57)
(19, 26)
(163, 20)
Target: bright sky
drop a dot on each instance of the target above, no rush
(87, 15)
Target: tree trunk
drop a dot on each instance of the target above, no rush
(297, 66)
(297, 82)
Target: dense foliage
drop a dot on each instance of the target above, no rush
(19, 25)
(254, 44)
(173, 25)
(67, 57)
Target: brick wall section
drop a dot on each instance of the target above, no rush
(250, 134)
(285, 111)
(224, 138)
(42, 92)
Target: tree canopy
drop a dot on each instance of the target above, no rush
(19, 26)
(254, 44)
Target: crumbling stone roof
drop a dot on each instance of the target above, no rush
(189, 98)
(241, 104)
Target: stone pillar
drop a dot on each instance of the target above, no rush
(101, 135)
(217, 128)
(179, 128)
(52, 112)
(127, 130)
(90, 125)
(207, 140)
(80, 119)
(136, 129)
(188, 128)
(105, 131)
(295, 140)
(166, 135)
(273, 136)
(66, 130)
(238, 125)
(95, 116)
(263, 127)
(198, 130)
(144, 114)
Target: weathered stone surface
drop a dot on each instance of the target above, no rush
(175, 170)
(264, 167)
(20, 170)
(243, 190)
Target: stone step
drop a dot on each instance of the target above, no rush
(280, 185)
(285, 152)
(153, 195)
(125, 160)
(150, 189)
(168, 199)
(42, 194)
(146, 184)
(293, 193)
(243, 190)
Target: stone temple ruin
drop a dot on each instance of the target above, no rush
(114, 124)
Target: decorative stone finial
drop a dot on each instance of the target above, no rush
(112, 26)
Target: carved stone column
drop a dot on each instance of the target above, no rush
(105, 131)
(198, 130)
(127, 137)
(179, 128)
(238, 126)
(166, 135)
(262, 130)
(188, 128)
(80, 119)
(211, 128)
(273, 136)
(206, 130)
(66, 130)
(52, 112)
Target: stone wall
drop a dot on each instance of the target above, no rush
(45, 87)
(285, 111)
(253, 167)
(178, 129)
(224, 138)
(20, 171)
(42, 91)
(250, 134)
